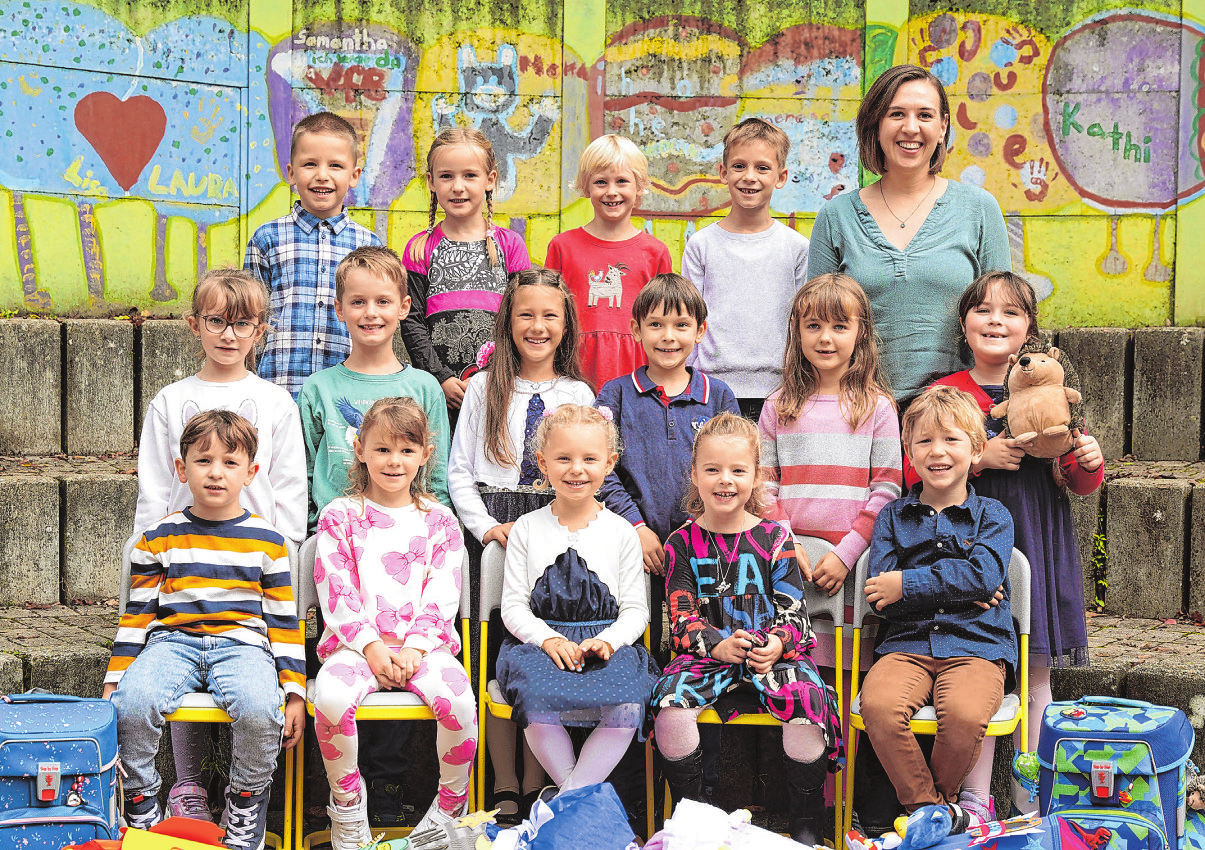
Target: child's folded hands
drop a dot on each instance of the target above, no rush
(383, 663)
(596, 647)
(763, 656)
(733, 649)
(566, 654)
(885, 589)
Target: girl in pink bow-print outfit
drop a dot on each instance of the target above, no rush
(388, 577)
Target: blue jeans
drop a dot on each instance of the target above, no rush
(241, 679)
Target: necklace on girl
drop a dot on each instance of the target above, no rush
(904, 221)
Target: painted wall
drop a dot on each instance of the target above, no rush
(143, 143)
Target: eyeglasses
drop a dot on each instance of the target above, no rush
(218, 324)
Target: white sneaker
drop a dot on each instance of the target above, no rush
(437, 818)
(349, 824)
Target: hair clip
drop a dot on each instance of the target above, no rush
(548, 411)
(606, 413)
(484, 354)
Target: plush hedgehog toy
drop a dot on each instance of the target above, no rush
(1038, 404)
(1194, 791)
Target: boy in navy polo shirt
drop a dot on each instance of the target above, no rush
(658, 409)
(939, 575)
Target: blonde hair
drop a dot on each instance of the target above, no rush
(505, 362)
(402, 419)
(731, 426)
(376, 260)
(445, 138)
(611, 152)
(945, 407)
(243, 296)
(575, 414)
(832, 298)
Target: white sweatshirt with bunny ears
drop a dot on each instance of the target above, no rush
(278, 493)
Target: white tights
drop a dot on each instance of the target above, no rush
(601, 752)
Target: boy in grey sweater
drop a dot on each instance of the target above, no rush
(748, 267)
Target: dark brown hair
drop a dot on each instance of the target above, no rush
(1016, 290)
(330, 124)
(874, 107)
(832, 298)
(401, 419)
(505, 361)
(231, 430)
(675, 293)
(734, 427)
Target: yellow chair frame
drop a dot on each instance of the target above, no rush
(489, 694)
(817, 602)
(199, 707)
(380, 705)
(1013, 710)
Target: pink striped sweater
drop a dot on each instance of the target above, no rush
(827, 480)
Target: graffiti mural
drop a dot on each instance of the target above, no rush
(142, 146)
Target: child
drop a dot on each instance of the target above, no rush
(492, 471)
(999, 314)
(573, 598)
(229, 315)
(937, 556)
(211, 608)
(388, 577)
(295, 256)
(658, 409)
(735, 595)
(458, 268)
(370, 296)
(747, 258)
(830, 438)
(607, 262)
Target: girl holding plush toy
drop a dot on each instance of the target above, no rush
(998, 314)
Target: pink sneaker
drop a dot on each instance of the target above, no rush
(189, 800)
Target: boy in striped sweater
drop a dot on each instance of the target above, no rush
(211, 608)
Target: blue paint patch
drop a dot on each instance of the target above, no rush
(1003, 54)
(946, 70)
(1006, 117)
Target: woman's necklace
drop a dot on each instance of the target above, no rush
(904, 221)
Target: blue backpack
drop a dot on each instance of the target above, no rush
(1117, 757)
(58, 771)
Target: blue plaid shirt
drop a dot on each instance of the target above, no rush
(950, 559)
(296, 256)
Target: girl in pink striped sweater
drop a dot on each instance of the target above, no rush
(830, 436)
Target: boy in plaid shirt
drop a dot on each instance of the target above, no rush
(296, 255)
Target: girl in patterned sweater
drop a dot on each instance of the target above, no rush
(388, 577)
(735, 595)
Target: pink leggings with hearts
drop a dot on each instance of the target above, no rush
(442, 684)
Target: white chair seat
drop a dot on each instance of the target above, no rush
(1010, 707)
(495, 692)
(198, 699)
(379, 699)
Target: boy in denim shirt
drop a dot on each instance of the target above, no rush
(939, 576)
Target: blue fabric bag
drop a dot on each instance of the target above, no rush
(590, 818)
(1116, 754)
(58, 771)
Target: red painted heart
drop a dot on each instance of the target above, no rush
(125, 133)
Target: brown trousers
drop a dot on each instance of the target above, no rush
(965, 691)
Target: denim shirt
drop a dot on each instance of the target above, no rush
(950, 559)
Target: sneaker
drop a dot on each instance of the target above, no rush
(960, 819)
(385, 809)
(143, 811)
(189, 800)
(437, 819)
(246, 819)
(973, 806)
(349, 824)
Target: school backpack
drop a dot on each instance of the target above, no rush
(1093, 829)
(1120, 756)
(58, 771)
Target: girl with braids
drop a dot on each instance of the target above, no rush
(458, 268)
(492, 472)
